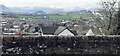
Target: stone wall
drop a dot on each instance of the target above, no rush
(61, 45)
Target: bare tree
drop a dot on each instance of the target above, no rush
(118, 24)
(108, 11)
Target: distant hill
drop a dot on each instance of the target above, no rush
(81, 12)
(43, 10)
(4, 9)
(23, 10)
(85, 12)
(39, 12)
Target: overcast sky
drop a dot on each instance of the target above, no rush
(51, 3)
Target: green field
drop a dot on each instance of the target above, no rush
(24, 16)
(59, 17)
(68, 17)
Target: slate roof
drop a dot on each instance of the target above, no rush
(95, 30)
(55, 30)
(49, 29)
(59, 30)
(74, 32)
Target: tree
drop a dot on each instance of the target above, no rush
(118, 25)
(108, 12)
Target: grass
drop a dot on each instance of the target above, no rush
(68, 17)
(58, 17)
(32, 17)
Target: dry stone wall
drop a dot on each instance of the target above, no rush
(61, 45)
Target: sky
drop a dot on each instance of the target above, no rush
(51, 3)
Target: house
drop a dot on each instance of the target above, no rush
(90, 32)
(94, 31)
(64, 31)
(57, 30)
(48, 30)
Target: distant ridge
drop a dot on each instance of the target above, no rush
(42, 10)
(39, 12)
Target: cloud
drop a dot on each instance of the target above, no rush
(50, 3)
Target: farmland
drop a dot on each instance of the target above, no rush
(57, 17)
